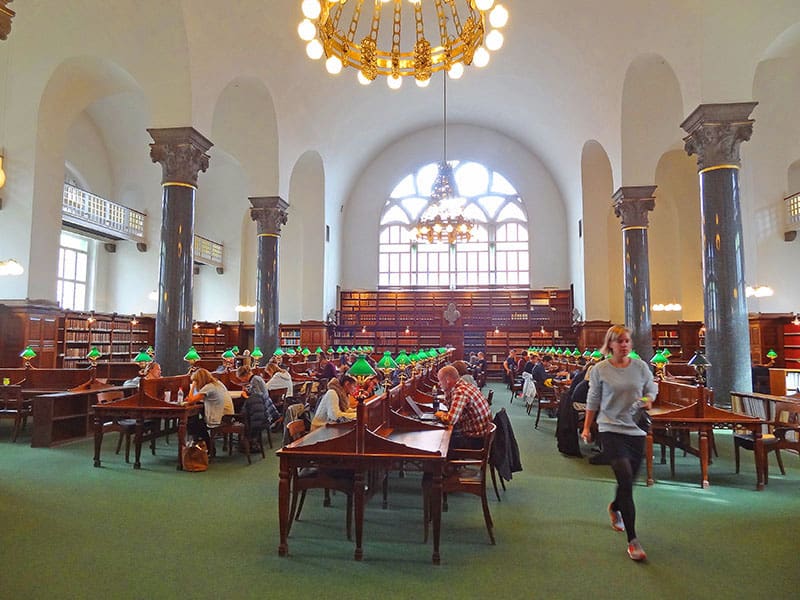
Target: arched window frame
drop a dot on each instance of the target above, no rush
(483, 262)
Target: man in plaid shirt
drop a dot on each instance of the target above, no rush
(469, 412)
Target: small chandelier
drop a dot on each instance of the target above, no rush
(443, 220)
(457, 36)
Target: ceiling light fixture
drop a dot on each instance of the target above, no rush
(443, 221)
(759, 291)
(456, 36)
(10, 267)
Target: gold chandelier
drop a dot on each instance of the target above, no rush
(443, 220)
(457, 37)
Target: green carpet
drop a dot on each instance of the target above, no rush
(68, 530)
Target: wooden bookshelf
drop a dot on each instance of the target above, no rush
(119, 338)
(289, 335)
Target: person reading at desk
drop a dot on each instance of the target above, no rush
(151, 371)
(469, 414)
(334, 406)
(279, 379)
(326, 370)
(216, 400)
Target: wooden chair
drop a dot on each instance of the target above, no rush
(547, 398)
(307, 478)
(763, 408)
(465, 473)
(13, 406)
(787, 425)
(227, 429)
(127, 427)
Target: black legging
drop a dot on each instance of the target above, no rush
(625, 453)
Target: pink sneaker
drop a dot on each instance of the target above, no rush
(635, 551)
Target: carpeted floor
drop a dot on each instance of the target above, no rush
(68, 530)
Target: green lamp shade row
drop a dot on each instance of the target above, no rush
(229, 355)
(361, 368)
(28, 353)
(143, 357)
(94, 353)
(256, 353)
(191, 355)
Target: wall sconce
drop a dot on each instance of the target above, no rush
(219, 326)
(407, 330)
(363, 329)
(10, 267)
(496, 330)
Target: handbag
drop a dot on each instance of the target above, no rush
(195, 456)
(642, 419)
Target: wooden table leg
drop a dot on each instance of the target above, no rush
(436, 512)
(649, 454)
(704, 457)
(138, 443)
(761, 460)
(98, 440)
(358, 505)
(283, 507)
(181, 439)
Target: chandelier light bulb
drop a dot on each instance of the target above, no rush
(306, 30)
(481, 57)
(394, 82)
(494, 40)
(333, 65)
(498, 17)
(362, 79)
(311, 9)
(423, 83)
(484, 4)
(314, 49)
(456, 70)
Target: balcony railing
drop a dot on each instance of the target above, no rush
(103, 216)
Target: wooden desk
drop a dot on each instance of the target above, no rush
(147, 403)
(701, 417)
(362, 448)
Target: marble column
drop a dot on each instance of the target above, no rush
(269, 212)
(631, 205)
(182, 153)
(716, 132)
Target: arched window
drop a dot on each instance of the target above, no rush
(496, 255)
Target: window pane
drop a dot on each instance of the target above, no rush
(80, 296)
(414, 206)
(394, 215)
(80, 267)
(425, 177)
(69, 264)
(69, 295)
(472, 179)
(500, 185)
(491, 204)
(404, 188)
(511, 211)
(61, 263)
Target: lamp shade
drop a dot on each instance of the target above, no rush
(318, 350)
(597, 355)
(228, 355)
(361, 369)
(291, 352)
(402, 359)
(191, 355)
(772, 354)
(257, 353)
(666, 353)
(235, 349)
(306, 352)
(698, 360)
(94, 353)
(659, 359)
(278, 351)
(339, 350)
(143, 358)
(28, 353)
(634, 354)
(387, 363)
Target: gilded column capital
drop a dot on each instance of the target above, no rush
(6, 14)
(632, 203)
(716, 131)
(270, 213)
(182, 152)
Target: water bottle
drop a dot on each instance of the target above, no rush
(167, 395)
(180, 395)
(435, 393)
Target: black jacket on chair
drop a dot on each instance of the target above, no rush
(505, 451)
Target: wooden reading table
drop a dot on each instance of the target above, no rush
(378, 440)
(683, 408)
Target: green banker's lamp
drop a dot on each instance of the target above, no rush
(402, 361)
(597, 356)
(257, 354)
(235, 350)
(318, 350)
(142, 359)
(700, 364)
(634, 354)
(771, 355)
(306, 352)
(27, 356)
(361, 370)
(659, 361)
(191, 357)
(387, 365)
(93, 356)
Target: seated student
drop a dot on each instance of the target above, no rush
(482, 363)
(469, 414)
(217, 402)
(522, 364)
(334, 406)
(279, 379)
(510, 366)
(463, 372)
(151, 371)
(539, 371)
(258, 407)
(326, 369)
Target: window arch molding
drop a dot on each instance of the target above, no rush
(497, 256)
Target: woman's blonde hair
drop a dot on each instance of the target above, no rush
(612, 335)
(202, 378)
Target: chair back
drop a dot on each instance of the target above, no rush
(105, 397)
(11, 397)
(490, 397)
(296, 429)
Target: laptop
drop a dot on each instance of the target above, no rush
(422, 416)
